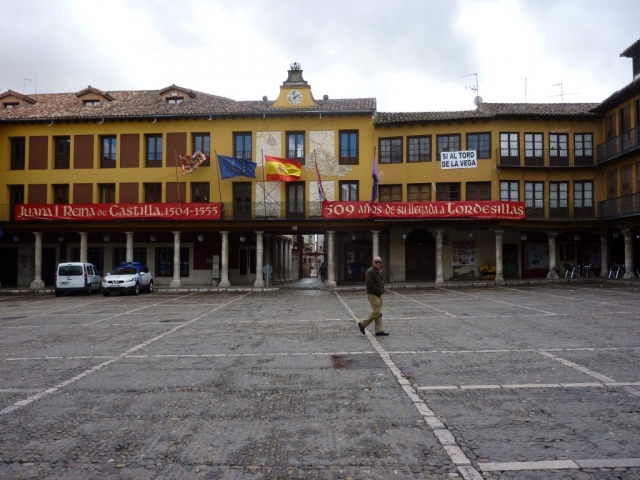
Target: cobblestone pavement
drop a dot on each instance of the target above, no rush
(516, 382)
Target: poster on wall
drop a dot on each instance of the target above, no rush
(537, 256)
(463, 254)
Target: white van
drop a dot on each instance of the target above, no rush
(77, 277)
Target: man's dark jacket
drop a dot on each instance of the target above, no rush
(375, 285)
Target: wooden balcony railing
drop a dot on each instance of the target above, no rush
(617, 146)
(625, 206)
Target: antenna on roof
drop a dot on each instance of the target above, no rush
(24, 85)
(562, 94)
(475, 89)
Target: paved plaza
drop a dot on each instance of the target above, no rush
(515, 381)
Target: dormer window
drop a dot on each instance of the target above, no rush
(10, 105)
(91, 103)
(175, 100)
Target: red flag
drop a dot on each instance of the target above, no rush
(189, 164)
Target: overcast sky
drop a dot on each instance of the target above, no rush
(409, 54)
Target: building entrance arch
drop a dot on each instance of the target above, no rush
(420, 256)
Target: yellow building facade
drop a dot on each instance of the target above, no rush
(574, 167)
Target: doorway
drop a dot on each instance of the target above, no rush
(242, 200)
(357, 260)
(420, 257)
(510, 260)
(9, 270)
(49, 265)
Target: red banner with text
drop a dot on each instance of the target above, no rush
(482, 210)
(120, 211)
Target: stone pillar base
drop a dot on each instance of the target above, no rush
(628, 275)
(37, 284)
(258, 284)
(225, 284)
(330, 284)
(552, 274)
(439, 280)
(175, 284)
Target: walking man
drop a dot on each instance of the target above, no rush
(375, 289)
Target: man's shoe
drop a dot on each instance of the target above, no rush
(361, 327)
(382, 334)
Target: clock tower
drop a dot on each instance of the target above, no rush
(295, 91)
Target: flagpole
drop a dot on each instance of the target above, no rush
(215, 152)
(264, 184)
(177, 185)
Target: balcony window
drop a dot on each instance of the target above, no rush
(583, 199)
(152, 193)
(533, 153)
(107, 193)
(509, 149)
(583, 145)
(295, 146)
(61, 194)
(242, 145)
(200, 192)
(509, 191)
(390, 150)
(108, 152)
(534, 199)
(62, 152)
(17, 153)
(559, 199)
(202, 143)
(153, 154)
(558, 150)
(295, 200)
(349, 153)
(349, 191)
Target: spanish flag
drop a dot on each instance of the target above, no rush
(283, 169)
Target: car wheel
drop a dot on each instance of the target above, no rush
(136, 290)
(151, 286)
(58, 293)
(87, 290)
(106, 293)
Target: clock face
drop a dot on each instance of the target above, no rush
(294, 97)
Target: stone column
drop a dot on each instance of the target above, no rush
(439, 270)
(83, 246)
(224, 261)
(175, 283)
(129, 246)
(604, 254)
(331, 273)
(499, 272)
(552, 256)
(287, 260)
(259, 283)
(267, 255)
(628, 254)
(37, 282)
(277, 273)
(375, 237)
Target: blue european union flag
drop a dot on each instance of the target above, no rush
(236, 167)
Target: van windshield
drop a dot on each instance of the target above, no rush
(69, 270)
(124, 271)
